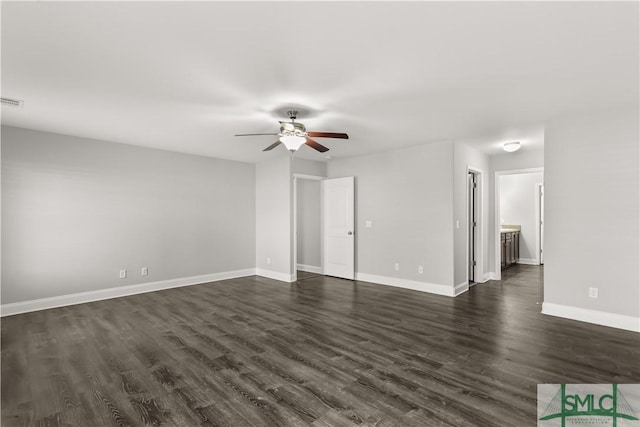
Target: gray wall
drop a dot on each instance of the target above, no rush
(408, 196)
(309, 167)
(521, 159)
(274, 205)
(75, 211)
(592, 212)
(518, 195)
(309, 235)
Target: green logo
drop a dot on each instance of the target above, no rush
(592, 404)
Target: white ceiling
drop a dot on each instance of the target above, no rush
(188, 76)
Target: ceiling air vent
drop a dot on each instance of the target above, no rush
(12, 102)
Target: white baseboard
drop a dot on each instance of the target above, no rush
(493, 276)
(528, 261)
(461, 288)
(433, 288)
(603, 318)
(485, 278)
(310, 268)
(117, 292)
(275, 275)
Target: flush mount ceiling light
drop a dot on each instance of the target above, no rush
(510, 147)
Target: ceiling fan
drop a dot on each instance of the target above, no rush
(293, 134)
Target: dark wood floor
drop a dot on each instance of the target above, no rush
(322, 352)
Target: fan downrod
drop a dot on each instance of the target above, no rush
(293, 114)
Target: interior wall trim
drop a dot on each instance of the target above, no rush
(276, 275)
(528, 261)
(461, 288)
(310, 268)
(117, 292)
(603, 318)
(433, 288)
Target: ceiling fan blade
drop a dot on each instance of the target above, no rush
(328, 135)
(254, 134)
(272, 146)
(318, 147)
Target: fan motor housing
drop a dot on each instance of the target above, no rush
(292, 129)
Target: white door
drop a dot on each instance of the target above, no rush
(338, 230)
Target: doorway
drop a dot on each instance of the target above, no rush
(517, 206)
(540, 222)
(472, 225)
(307, 218)
(323, 227)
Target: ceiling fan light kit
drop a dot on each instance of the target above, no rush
(292, 142)
(294, 134)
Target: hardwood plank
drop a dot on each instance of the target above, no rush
(321, 352)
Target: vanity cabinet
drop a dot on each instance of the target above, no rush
(509, 248)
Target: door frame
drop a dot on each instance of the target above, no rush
(497, 275)
(478, 271)
(296, 177)
(539, 223)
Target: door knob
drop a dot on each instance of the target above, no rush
(350, 233)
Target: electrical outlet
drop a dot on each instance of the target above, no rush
(144, 271)
(123, 274)
(368, 224)
(420, 269)
(593, 292)
(397, 267)
(268, 260)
